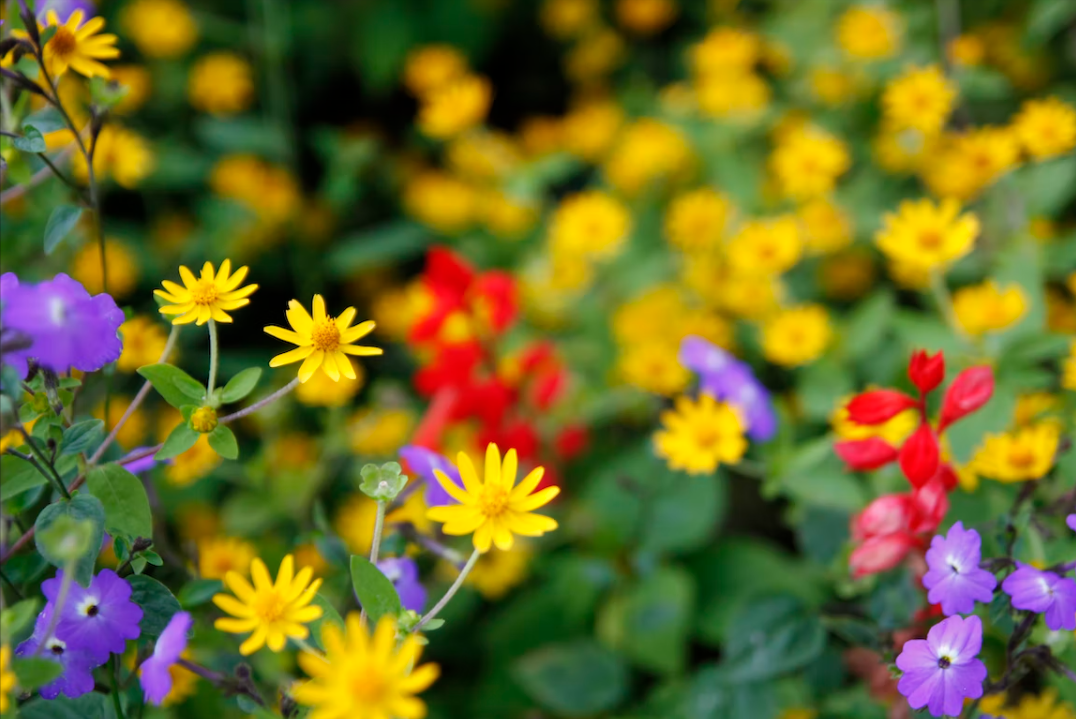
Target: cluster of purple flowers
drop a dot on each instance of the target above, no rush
(58, 325)
(943, 670)
(730, 380)
(90, 624)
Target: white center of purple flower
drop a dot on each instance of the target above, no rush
(57, 310)
(944, 662)
(56, 646)
(88, 607)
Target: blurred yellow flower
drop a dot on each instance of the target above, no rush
(1068, 375)
(323, 391)
(971, 161)
(696, 220)
(219, 555)
(589, 224)
(292, 450)
(209, 296)
(324, 342)
(646, 17)
(725, 51)
(653, 366)
(766, 246)
(826, 227)
(590, 128)
(989, 308)
(927, 235)
(833, 86)
(893, 431)
(221, 83)
(904, 150)
(355, 521)
(431, 67)
(123, 269)
(1046, 128)
(737, 96)
(494, 508)
(138, 83)
(118, 153)
(594, 56)
(565, 19)
(499, 571)
(797, 335)
(506, 216)
(270, 191)
(1032, 406)
(271, 612)
(308, 555)
(807, 163)
(647, 151)
(1046, 705)
(441, 201)
(133, 432)
(1024, 454)
(455, 107)
(869, 32)
(379, 432)
(967, 50)
(7, 678)
(700, 434)
(192, 465)
(143, 343)
(541, 135)
(78, 46)
(920, 99)
(483, 156)
(749, 297)
(195, 521)
(159, 28)
(412, 511)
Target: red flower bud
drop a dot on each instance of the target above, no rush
(571, 441)
(920, 455)
(925, 371)
(880, 554)
(971, 389)
(930, 503)
(865, 454)
(888, 514)
(878, 406)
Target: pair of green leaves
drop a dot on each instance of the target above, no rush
(187, 395)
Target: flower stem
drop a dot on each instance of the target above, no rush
(260, 403)
(451, 590)
(116, 687)
(213, 359)
(375, 545)
(44, 465)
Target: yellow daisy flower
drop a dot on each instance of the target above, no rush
(1046, 128)
(927, 235)
(323, 341)
(1026, 454)
(364, 677)
(797, 335)
(988, 308)
(921, 99)
(78, 46)
(7, 678)
(271, 612)
(219, 555)
(495, 507)
(700, 434)
(869, 32)
(207, 297)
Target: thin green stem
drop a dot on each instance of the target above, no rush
(451, 590)
(213, 358)
(43, 463)
(56, 171)
(375, 546)
(260, 403)
(114, 666)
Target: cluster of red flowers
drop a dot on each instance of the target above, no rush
(470, 372)
(895, 525)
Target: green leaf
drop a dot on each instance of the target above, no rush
(242, 134)
(241, 385)
(46, 120)
(158, 604)
(82, 436)
(61, 222)
(124, 498)
(179, 441)
(651, 622)
(1045, 19)
(223, 442)
(176, 386)
(385, 244)
(574, 679)
(81, 507)
(18, 476)
(34, 672)
(386, 31)
(198, 591)
(31, 141)
(16, 618)
(685, 514)
(770, 637)
(374, 590)
(87, 706)
(868, 324)
(328, 614)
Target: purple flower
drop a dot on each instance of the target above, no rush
(66, 326)
(730, 380)
(144, 464)
(100, 618)
(943, 670)
(403, 573)
(156, 677)
(955, 579)
(1043, 593)
(64, 8)
(1071, 521)
(423, 462)
(77, 661)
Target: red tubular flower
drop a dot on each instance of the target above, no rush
(493, 299)
(519, 435)
(880, 554)
(453, 366)
(446, 279)
(489, 400)
(930, 504)
(926, 372)
(920, 456)
(571, 441)
(878, 406)
(971, 389)
(866, 454)
(888, 514)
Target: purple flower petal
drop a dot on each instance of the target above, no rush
(704, 357)
(1071, 521)
(101, 617)
(156, 678)
(730, 380)
(1035, 590)
(78, 662)
(955, 580)
(423, 462)
(943, 670)
(403, 573)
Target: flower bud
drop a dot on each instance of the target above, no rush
(204, 420)
(930, 504)
(866, 454)
(880, 554)
(878, 406)
(971, 389)
(920, 456)
(888, 514)
(926, 372)
(382, 482)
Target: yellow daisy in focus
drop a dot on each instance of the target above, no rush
(78, 46)
(1020, 456)
(207, 297)
(700, 434)
(7, 678)
(927, 235)
(1046, 128)
(272, 612)
(219, 555)
(364, 677)
(494, 507)
(988, 308)
(796, 336)
(869, 33)
(920, 99)
(324, 342)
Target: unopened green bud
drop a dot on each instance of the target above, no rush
(383, 482)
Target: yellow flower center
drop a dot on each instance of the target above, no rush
(368, 687)
(493, 501)
(1021, 457)
(269, 607)
(63, 43)
(325, 336)
(706, 437)
(204, 293)
(930, 239)
(204, 420)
